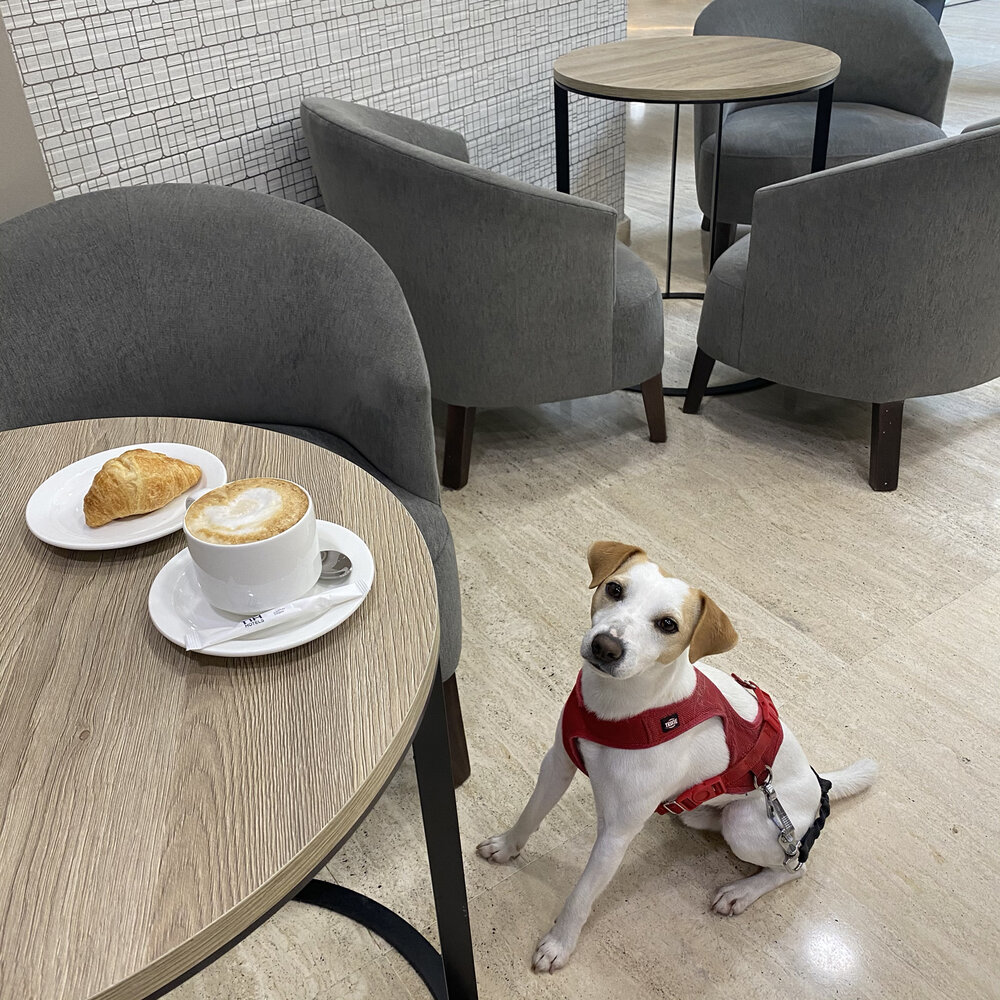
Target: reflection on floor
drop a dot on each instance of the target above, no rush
(870, 618)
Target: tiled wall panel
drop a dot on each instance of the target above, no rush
(137, 91)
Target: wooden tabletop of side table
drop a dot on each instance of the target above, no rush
(696, 68)
(154, 804)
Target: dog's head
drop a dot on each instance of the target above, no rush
(642, 618)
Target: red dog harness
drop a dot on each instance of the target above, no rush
(752, 745)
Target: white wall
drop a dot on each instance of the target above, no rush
(137, 91)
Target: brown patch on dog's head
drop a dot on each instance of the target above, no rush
(714, 632)
(604, 558)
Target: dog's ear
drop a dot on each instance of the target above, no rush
(714, 632)
(605, 557)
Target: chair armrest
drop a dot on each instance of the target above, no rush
(976, 126)
(511, 286)
(876, 280)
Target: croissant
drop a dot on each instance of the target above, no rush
(136, 482)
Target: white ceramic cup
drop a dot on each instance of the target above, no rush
(250, 577)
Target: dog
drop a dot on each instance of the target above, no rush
(647, 631)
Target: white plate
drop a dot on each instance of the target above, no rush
(55, 510)
(177, 604)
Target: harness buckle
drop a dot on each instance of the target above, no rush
(695, 797)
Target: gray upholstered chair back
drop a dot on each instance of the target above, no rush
(892, 52)
(885, 271)
(191, 300)
(491, 267)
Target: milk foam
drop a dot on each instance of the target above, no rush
(248, 510)
(251, 510)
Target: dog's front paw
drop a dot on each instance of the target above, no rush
(499, 849)
(731, 900)
(552, 953)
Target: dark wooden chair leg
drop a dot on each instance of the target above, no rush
(457, 745)
(701, 372)
(458, 446)
(887, 432)
(723, 238)
(652, 400)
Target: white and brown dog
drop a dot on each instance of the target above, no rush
(656, 734)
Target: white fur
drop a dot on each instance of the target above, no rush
(629, 784)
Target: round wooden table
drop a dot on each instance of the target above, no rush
(694, 69)
(157, 804)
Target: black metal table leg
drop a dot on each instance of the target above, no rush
(561, 97)
(450, 975)
(444, 848)
(668, 294)
(821, 137)
(715, 251)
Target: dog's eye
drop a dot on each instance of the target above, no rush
(613, 590)
(667, 625)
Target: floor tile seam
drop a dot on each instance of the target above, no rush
(893, 640)
(386, 960)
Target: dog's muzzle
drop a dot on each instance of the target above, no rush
(605, 652)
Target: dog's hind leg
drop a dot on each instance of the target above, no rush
(754, 838)
(554, 777)
(703, 818)
(731, 900)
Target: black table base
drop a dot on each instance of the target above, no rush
(821, 138)
(726, 389)
(450, 974)
(423, 957)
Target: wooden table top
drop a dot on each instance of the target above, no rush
(154, 804)
(694, 68)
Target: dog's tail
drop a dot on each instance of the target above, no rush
(852, 779)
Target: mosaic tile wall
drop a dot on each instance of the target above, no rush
(136, 91)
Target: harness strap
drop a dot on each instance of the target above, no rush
(809, 838)
(742, 775)
(651, 727)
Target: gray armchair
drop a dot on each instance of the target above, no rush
(890, 94)
(198, 301)
(874, 281)
(521, 295)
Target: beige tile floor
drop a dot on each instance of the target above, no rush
(872, 619)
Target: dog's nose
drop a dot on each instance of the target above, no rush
(606, 648)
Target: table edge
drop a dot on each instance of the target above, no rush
(660, 96)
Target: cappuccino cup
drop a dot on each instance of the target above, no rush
(253, 543)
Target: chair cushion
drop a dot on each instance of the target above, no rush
(637, 349)
(720, 329)
(768, 143)
(433, 525)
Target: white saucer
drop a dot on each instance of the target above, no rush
(177, 604)
(55, 510)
